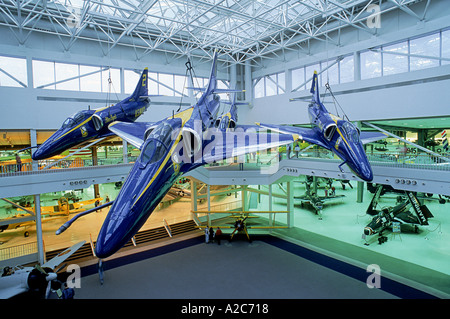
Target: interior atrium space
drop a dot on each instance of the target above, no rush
(305, 139)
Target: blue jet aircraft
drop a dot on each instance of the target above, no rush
(170, 148)
(92, 124)
(331, 132)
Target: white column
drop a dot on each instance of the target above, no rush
(290, 205)
(40, 241)
(33, 141)
(125, 151)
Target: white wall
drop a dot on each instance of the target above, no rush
(423, 93)
(31, 108)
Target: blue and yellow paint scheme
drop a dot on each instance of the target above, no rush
(170, 148)
(333, 133)
(92, 124)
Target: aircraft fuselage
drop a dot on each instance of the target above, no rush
(342, 138)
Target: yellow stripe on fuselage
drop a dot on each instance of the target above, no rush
(184, 116)
(82, 123)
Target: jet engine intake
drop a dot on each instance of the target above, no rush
(192, 142)
(329, 130)
(98, 122)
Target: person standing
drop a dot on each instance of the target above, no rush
(218, 235)
(19, 163)
(206, 234)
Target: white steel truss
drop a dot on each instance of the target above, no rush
(240, 30)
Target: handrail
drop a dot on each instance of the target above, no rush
(167, 227)
(18, 251)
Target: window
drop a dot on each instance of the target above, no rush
(445, 40)
(166, 84)
(429, 47)
(111, 80)
(43, 74)
(346, 69)
(13, 72)
(130, 81)
(90, 78)
(67, 77)
(181, 82)
(75, 77)
(330, 75)
(298, 79)
(394, 63)
(153, 83)
(370, 64)
(270, 85)
(259, 88)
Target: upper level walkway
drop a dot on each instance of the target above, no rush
(421, 173)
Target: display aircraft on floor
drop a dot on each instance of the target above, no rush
(408, 213)
(333, 133)
(170, 148)
(40, 278)
(88, 125)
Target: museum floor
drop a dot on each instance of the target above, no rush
(185, 267)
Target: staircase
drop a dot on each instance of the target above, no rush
(140, 238)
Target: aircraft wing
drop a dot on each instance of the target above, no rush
(133, 133)
(239, 142)
(62, 256)
(369, 137)
(305, 134)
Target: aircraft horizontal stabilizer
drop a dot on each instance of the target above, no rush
(216, 91)
(369, 137)
(306, 134)
(240, 142)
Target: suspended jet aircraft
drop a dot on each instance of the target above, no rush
(229, 119)
(92, 124)
(170, 148)
(333, 133)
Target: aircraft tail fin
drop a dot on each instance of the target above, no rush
(212, 84)
(315, 88)
(141, 89)
(421, 211)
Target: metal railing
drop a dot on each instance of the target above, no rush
(18, 251)
(247, 162)
(46, 166)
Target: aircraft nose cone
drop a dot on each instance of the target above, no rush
(368, 231)
(110, 238)
(38, 154)
(117, 229)
(365, 171)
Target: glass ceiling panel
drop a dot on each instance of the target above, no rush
(249, 27)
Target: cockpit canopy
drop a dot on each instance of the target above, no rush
(76, 119)
(351, 131)
(157, 143)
